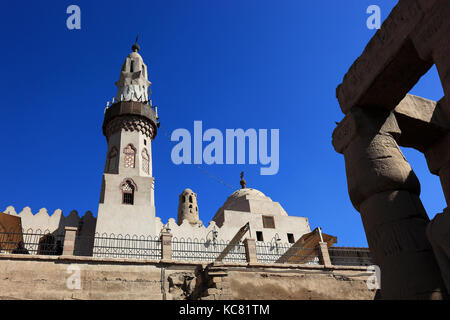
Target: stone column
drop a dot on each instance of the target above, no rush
(324, 255)
(69, 241)
(250, 250)
(438, 158)
(166, 246)
(385, 190)
(439, 236)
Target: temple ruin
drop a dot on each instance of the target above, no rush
(412, 251)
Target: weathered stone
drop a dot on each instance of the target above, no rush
(385, 190)
(389, 66)
(438, 233)
(422, 122)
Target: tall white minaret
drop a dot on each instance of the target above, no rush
(127, 198)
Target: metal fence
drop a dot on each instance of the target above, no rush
(125, 247)
(350, 256)
(206, 250)
(275, 252)
(35, 242)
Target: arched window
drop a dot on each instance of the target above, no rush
(128, 188)
(145, 161)
(111, 165)
(190, 199)
(130, 156)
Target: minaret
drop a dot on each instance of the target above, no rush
(188, 208)
(127, 199)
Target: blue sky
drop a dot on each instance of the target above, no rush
(231, 64)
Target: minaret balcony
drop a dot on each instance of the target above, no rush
(126, 109)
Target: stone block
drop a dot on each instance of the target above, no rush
(389, 66)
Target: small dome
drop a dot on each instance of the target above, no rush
(247, 192)
(187, 191)
(249, 200)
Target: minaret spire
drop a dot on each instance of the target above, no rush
(243, 182)
(135, 46)
(133, 84)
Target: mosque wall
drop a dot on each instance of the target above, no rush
(55, 278)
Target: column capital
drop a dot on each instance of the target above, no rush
(364, 123)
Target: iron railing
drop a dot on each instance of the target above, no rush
(35, 242)
(350, 256)
(274, 252)
(206, 250)
(124, 247)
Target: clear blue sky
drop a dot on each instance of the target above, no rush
(232, 64)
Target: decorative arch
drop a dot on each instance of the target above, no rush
(128, 188)
(112, 162)
(130, 156)
(145, 161)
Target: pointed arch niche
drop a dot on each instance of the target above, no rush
(113, 161)
(130, 156)
(128, 188)
(145, 161)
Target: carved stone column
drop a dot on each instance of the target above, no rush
(385, 190)
(439, 236)
(438, 231)
(438, 158)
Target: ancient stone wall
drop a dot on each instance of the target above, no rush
(46, 277)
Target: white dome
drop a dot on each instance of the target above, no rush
(250, 200)
(247, 192)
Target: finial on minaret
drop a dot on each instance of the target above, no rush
(243, 182)
(135, 46)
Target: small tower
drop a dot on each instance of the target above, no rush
(127, 202)
(188, 208)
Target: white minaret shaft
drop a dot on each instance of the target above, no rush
(127, 201)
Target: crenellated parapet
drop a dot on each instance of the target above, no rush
(55, 222)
